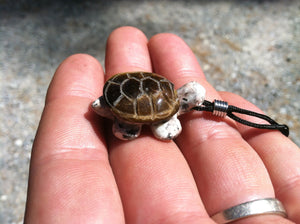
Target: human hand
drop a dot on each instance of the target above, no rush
(80, 173)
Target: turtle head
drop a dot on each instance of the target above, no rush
(190, 95)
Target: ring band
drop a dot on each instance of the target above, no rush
(250, 208)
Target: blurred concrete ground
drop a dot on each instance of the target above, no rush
(251, 48)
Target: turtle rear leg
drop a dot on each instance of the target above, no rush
(125, 131)
(167, 130)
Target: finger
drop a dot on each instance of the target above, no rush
(227, 170)
(125, 55)
(154, 180)
(70, 177)
(280, 156)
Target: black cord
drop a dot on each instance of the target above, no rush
(223, 109)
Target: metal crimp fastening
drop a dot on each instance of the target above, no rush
(220, 108)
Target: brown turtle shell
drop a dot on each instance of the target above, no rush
(141, 97)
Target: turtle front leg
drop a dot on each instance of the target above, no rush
(167, 130)
(125, 131)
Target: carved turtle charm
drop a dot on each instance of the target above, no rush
(141, 97)
(136, 98)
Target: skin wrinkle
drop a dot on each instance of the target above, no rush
(243, 176)
(152, 170)
(74, 130)
(127, 57)
(82, 91)
(190, 217)
(77, 92)
(281, 165)
(292, 183)
(206, 129)
(75, 154)
(187, 75)
(217, 131)
(81, 64)
(65, 185)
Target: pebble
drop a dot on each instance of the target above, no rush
(18, 142)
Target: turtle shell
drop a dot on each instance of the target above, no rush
(141, 97)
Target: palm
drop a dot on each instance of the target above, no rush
(80, 173)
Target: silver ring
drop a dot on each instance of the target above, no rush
(250, 208)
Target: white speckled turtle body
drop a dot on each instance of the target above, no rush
(137, 98)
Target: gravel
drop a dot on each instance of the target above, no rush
(251, 48)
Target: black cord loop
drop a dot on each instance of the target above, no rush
(221, 108)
